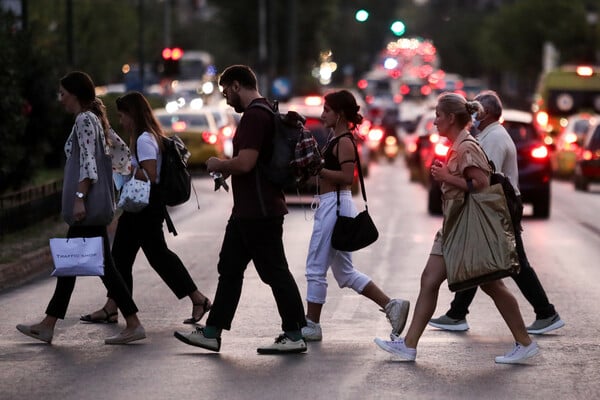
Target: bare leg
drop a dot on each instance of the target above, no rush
(432, 277)
(509, 309)
(371, 291)
(313, 311)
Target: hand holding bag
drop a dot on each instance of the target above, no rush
(351, 234)
(478, 239)
(77, 256)
(135, 194)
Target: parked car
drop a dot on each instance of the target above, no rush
(533, 159)
(587, 166)
(569, 142)
(205, 131)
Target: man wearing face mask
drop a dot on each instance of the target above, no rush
(500, 148)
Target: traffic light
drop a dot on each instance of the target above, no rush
(398, 28)
(171, 57)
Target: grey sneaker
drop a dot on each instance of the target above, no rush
(312, 331)
(197, 338)
(449, 324)
(283, 345)
(396, 312)
(518, 354)
(397, 348)
(541, 326)
(38, 332)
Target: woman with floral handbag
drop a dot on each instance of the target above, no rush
(143, 228)
(87, 206)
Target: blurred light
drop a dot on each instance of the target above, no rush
(361, 15)
(166, 53)
(539, 152)
(179, 126)
(398, 28)
(208, 87)
(171, 106)
(313, 100)
(441, 149)
(227, 131)
(542, 118)
(209, 138)
(125, 68)
(570, 137)
(587, 155)
(176, 53)
(375, 136)
(584, 70)
(390, 63)
(362, 84)
(196, 103)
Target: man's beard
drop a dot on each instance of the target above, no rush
(236, 103)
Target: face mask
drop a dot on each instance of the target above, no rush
(476, 122)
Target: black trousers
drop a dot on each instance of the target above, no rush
(112, 279)
(258, 240)
(527, 281)
(144, 230)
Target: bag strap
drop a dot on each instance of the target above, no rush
(360, 174)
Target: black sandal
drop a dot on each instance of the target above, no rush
(108, 319)
(205, 308)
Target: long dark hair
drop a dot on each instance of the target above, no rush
(137, 107)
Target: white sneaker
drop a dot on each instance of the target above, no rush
(398, 348)
(284, 345)
(312, 331)
(397, 313)
(518, 354)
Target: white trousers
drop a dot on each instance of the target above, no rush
(321, 255)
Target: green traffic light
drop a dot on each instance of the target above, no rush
(398, 28)
(361, 15)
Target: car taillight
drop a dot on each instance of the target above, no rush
(587, 155)
(441, 149)
(375, 134)
(539, 152)
(411, 147)
(179, 126)
(363, 130)
(209, 137)
(570, 137)
(542, 119)
(227, 131)
(434, 137)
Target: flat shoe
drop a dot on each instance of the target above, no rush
(108, 318)
(126, 337)
(45, 335)
(205, 308)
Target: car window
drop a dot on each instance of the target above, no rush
(195, 120)
(520, 132)
(595, 140)
(219, 118)
(581, 126)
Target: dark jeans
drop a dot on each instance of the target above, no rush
(526, 280)
(111, 279)
(258, 240)
(144, 230)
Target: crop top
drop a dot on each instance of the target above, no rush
(331, 160)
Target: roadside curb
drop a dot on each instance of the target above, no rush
(26, 268)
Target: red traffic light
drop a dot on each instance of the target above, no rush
(172, 54)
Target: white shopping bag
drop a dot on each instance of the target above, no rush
(77, 256)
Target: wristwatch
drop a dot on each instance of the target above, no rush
(79, 195)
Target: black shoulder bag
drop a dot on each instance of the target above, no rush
(351, 234)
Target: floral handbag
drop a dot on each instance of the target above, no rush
(135, 194)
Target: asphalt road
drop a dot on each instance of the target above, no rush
(564, 250)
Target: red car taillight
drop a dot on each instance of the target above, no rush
(227, 131)
(209, 137)
(375, 134)
(441, 149)
(539, 152)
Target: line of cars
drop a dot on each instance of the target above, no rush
(425, 145)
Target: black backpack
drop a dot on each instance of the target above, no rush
(296, 155)
(175, 179)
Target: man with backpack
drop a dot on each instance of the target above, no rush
(500, 148)
(255, 228)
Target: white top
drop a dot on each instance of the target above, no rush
(500, 148)
(147, 149)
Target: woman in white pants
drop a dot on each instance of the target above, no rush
(340, 114)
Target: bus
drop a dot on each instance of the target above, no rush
(562, 92)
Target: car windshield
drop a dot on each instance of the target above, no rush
(580, 127)
(520, 132)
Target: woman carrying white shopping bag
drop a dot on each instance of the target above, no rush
(87, 205)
